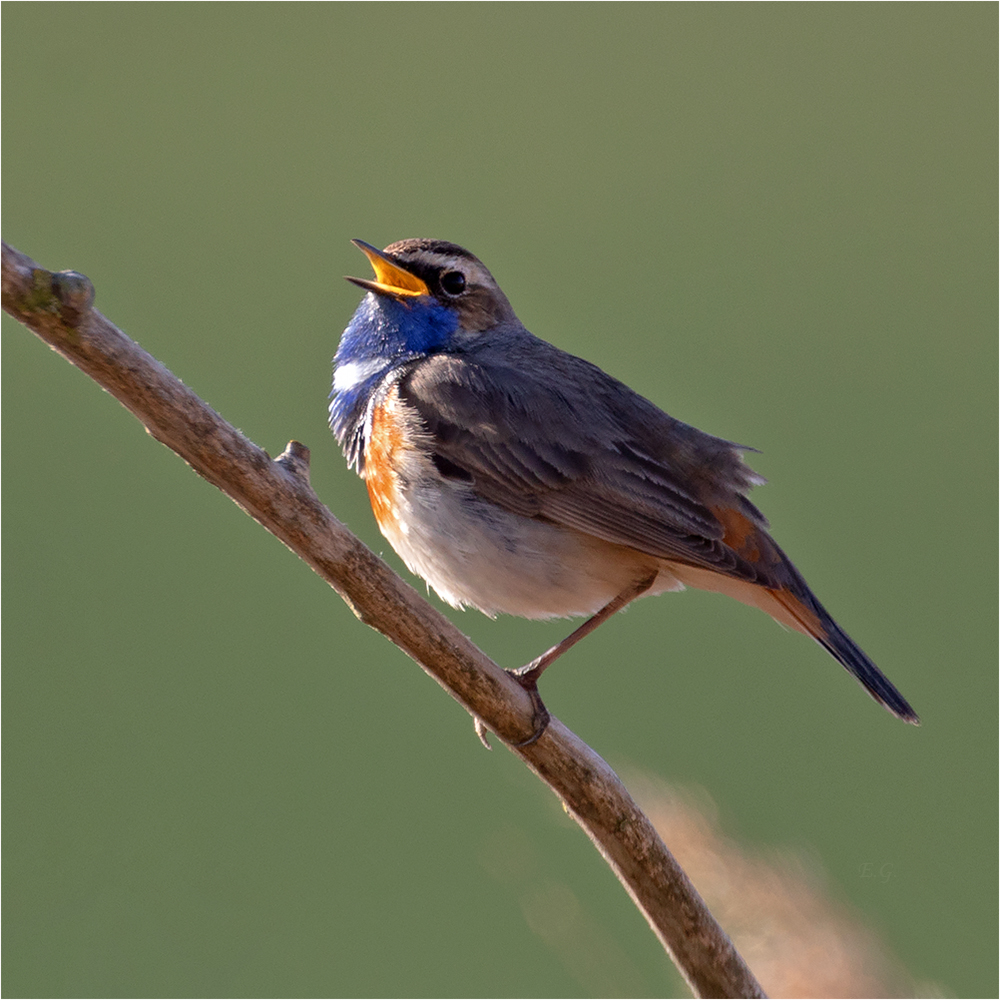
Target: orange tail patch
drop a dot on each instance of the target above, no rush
(804, 619)
(742, 535)
(754, 545)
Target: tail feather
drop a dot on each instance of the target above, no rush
(813, 619)
(844, 649)
(763, 576)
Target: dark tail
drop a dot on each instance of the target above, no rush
(843, 648)
(816, 621)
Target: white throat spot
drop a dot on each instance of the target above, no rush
(353, 373)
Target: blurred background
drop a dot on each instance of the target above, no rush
(774, 220)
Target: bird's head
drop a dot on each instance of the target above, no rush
(430, 276)
(427, 296)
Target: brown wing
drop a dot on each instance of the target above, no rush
(580, 449)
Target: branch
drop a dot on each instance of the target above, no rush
(276, 493)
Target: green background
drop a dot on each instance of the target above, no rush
(776, 221)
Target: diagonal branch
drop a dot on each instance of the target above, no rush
(58, 308)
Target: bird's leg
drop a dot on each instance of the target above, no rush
(527, 676)
(530, 672)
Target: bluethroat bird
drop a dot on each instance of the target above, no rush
(517, 478)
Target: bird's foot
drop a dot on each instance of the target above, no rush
(527, 676)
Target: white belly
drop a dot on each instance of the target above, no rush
(473, 552)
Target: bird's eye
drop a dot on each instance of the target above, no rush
(453, 282)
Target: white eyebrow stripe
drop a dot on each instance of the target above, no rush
(353, 373)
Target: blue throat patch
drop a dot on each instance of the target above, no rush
(384, 333)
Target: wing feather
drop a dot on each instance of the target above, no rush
(602, 460)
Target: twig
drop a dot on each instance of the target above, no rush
(58, 308)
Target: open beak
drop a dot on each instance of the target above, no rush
(390, 278)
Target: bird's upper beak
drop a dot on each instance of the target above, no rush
(391, 279)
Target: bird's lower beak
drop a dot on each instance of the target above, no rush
(391, 279)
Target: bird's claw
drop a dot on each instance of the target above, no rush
(482, 732)
(527, 676)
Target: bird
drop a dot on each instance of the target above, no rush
(519, 479)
